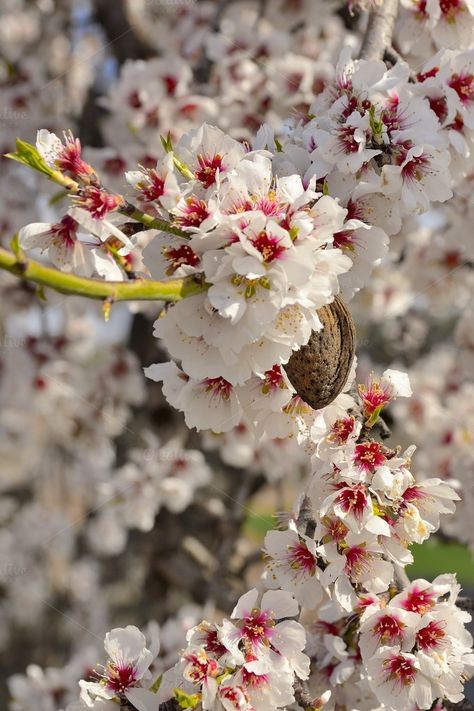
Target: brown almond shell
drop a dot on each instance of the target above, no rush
(319, 370)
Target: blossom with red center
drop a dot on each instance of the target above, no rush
(345, 239)
(301, 558)
(153, 187)
(336, 529)
(268, 205)
(120, 677)
(358, 561)
(414, 493)
(199, 667)
(347, 139)
(257, 627)
(419, 600)
(208, 167)
(235, 695)
(432, 636)
(369, 455)
(213, 644)
(450, 9)
(341, 430)
(268, 246)
(352, 499)
(65, 231)
(375, 395)
(416, 167)
(420, 9)
(463, 85)
(388, 629)
(439, 106)
(273, 379)
(219, 387)
(98, 202)
(193, 213)
(170, 83)
(180, 256)
(252, 680)
(400, 669)
(69, 158)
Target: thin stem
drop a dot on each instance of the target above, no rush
(378, 36)
(137, 290)
(153, 223)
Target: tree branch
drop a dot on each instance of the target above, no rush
(378, 36)
(137, 290)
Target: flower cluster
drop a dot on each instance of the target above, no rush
(394, 651)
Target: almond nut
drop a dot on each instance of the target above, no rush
(319, 370)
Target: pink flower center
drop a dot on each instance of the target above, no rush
(177, 256)
(336, 529)
(194, 213)
(70, 158)
(268, 246)
(257, 626)
(463, 85)
(269, 206)
(345, 239)
(65, 231)
(252, 680)
(400, 669)
(235, 694)
(374, 396)
(416, 167)
(353, 499)
(273, 380)
(213, 645)
(301, 558)
(341, 430)
(120, 678)
(369, 455)
(451, 8)
(388, 629)
(358, 562)
(346, 139)
(170, 83)
(154, 188)
(438, 106)
(200, 667)
(208, 167)
(420, 601)
(431, 636)
(219, 387)
(98, 202)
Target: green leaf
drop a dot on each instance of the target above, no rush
(15, 246)
(57, 197)
(187, 701)
(40, 292)
(167, 143)
(28, 155)
(278, 145)
(156, 684)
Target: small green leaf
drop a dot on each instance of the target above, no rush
(278, 145)
(40, 293)
(156, 684)
(187, 701)
(183, 168)
(28, 155)
(167, 143)
(57, 197)
(15, 246)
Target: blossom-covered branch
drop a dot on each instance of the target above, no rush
(135, 290)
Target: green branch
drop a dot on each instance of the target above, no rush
(137, 290)
(28, 155)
